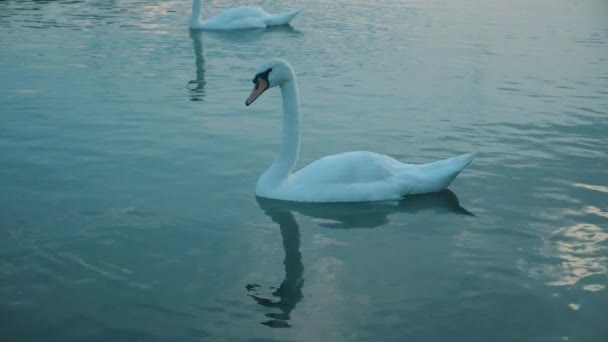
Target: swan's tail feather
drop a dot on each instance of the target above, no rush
(440, 174)
(282, 18)
(451, 167)
(461, 161)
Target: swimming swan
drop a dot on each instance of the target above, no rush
(358, 176)
(244, 17)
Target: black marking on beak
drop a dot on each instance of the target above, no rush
(260, 80)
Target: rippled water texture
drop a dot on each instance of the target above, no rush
(128, 162)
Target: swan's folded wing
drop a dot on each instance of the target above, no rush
(245, 17)
(439, 175)
(348, 168)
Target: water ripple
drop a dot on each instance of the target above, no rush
(129, 163)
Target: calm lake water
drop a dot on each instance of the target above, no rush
(128, 162)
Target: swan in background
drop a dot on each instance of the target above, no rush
(358, 176)
(244, 17)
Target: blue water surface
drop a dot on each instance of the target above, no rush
(128, 162)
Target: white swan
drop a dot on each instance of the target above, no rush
(244, 17)
(359, 176)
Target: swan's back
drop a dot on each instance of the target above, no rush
(240, 13)
(349, 167)
(358, 176)
(237, 18)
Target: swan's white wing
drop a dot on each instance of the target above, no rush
(245, 17)
(239, 24)
(240, 13)
(348, 168)
(367, 176)
(347, 177)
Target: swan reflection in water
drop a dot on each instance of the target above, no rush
(289, 293)
(337, 215)
(197, 86)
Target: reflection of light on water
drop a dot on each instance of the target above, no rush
(588, 210)
(150, 26)
(595, 211)
(151, 17)
(326, 271)
(593, 287)
(579, 248)
(599, 188)
(324, 241)
(156, 10)
(574, 307)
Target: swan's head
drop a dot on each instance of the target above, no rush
(273, 73)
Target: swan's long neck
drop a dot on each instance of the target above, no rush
(290, 143)
(196, 12)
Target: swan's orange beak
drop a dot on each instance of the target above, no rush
(260, 87)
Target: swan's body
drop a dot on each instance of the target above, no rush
(362, 176)
(244, 17)
(359, 176)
